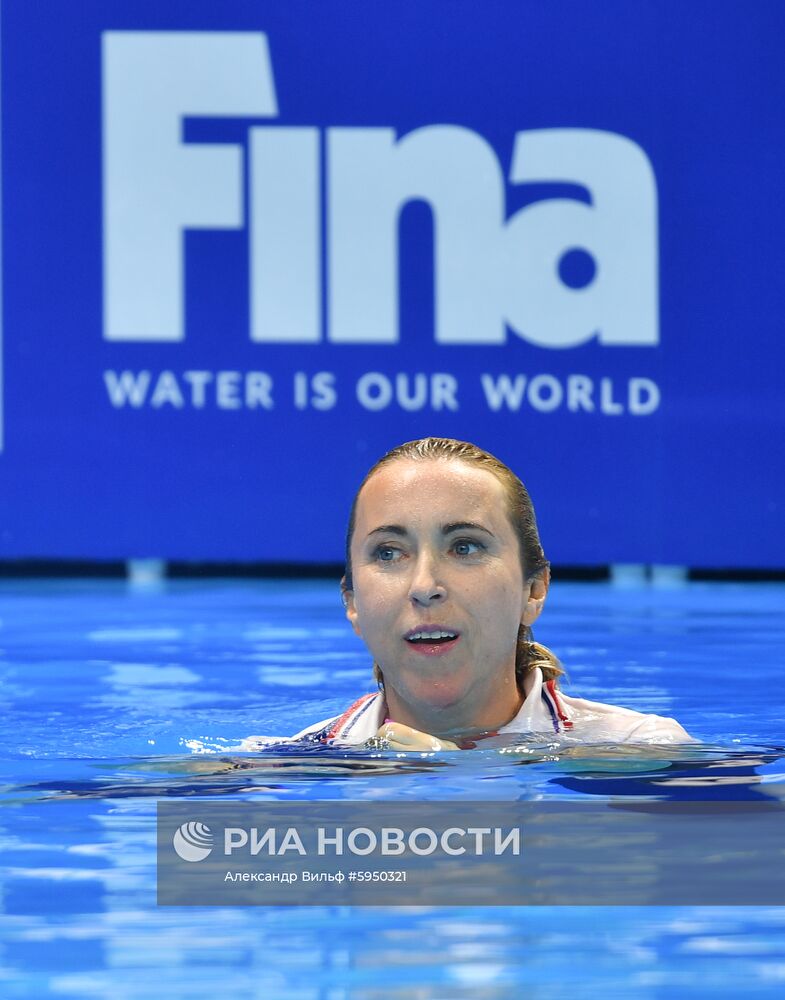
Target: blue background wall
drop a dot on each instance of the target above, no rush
(698, 89)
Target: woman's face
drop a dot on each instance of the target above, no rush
(439, 592)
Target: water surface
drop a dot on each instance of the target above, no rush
(114, 699)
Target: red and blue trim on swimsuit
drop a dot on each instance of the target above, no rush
(550, 698)
(360, 707)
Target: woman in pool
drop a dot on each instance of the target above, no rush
(445, 576)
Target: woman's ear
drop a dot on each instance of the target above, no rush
(538, 591)
(347, 597)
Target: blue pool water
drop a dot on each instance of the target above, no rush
(115, 698)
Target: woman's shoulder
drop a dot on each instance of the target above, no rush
(356, 724)
(624, 724)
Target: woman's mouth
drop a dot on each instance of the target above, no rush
(432, 640)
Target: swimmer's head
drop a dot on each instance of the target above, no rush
(535, 567)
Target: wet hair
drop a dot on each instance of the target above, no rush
(529, 654)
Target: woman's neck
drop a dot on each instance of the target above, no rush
(462, 719)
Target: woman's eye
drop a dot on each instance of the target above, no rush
(465, 547)
(386, 553)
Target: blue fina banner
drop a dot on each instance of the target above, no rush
(250, 246)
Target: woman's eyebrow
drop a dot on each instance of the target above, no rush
(447, 529)
(388, 529)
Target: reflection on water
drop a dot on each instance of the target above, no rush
(105, 694)
(315, 771)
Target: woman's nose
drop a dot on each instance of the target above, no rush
(426, 587)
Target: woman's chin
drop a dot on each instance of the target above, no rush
(435, 697)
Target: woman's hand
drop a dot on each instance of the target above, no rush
(400, 737)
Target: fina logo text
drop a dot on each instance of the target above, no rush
(492, 273)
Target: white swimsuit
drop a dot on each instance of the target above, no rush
(545, 710)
